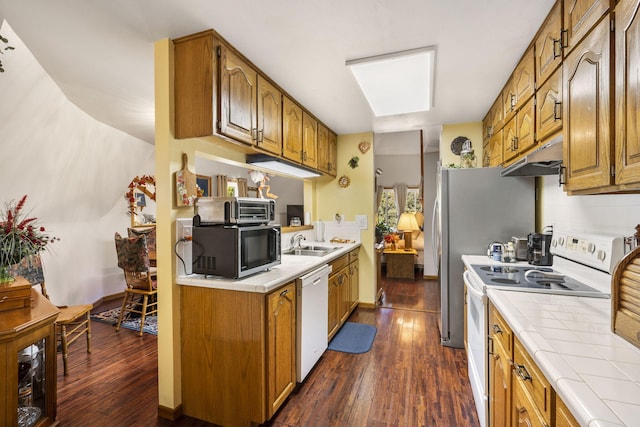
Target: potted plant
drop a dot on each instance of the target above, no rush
(381, 229)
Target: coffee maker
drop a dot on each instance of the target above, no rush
(538, 245)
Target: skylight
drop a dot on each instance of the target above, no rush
(397, 83)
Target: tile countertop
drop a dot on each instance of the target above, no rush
(594, 371)
(292, 267)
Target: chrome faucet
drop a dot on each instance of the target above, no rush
(295, 240)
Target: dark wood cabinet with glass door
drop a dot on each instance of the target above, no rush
(28, 364)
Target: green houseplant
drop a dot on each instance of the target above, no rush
(6, 46)
(20, 236)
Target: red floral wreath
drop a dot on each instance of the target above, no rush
(141, 184)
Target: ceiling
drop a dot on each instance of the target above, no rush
(100, 52)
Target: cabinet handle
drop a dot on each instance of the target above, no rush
(260, 136)
(304, 156)
(564, 38)
(522, 372)
(496, 328)
(341, 279)
(283, 293)
(514, 143)
(557, 48)
(254, 134)
(561, 175)
(513, 101)
(556, 111)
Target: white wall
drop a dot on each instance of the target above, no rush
(616, 214)
(75, 172)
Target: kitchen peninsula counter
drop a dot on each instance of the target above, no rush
(595, 372)
(291, 268)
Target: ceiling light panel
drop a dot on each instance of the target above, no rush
(397, 83)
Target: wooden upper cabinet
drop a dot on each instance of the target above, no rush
(520, 87)
(587, 132)
(238, 97)
(309, 140)
(333, 153)
(509, 140)
(195, 91)
(627, 92)
(526, 127)
(291, 130)
(579, 17)
(269, 117)
(323, 148)
(549, 107)
(548, 42)
(495, 149)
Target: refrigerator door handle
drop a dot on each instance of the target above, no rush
(435, 244)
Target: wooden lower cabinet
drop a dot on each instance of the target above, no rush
(344, 283)
(519, 394)
(28, 339)
(238, 353)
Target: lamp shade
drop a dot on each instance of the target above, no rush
(407, 222)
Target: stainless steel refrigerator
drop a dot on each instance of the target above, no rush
(473, 208)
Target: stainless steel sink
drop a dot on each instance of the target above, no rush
(310, 250)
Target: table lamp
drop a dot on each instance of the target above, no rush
(408, 224)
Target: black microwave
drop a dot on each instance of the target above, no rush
(234, 251)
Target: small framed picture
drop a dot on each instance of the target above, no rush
(204, 185)
(141, 200)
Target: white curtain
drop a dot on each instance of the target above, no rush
(401, 197)
(379, 191)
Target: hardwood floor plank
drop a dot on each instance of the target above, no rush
(407, 379)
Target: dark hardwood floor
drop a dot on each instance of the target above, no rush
(407, 379)
(416, 294)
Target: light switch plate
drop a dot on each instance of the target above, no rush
(362, 222)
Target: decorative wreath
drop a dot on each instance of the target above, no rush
(141, 183)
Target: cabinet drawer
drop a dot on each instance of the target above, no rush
(525, 412)
(354, 255)
(339, 263)
(500, 331)
(529, 376)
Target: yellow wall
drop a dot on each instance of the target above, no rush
(472, 130)
(322, 197)
(357, 199)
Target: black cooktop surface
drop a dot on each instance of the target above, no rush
(540, 279)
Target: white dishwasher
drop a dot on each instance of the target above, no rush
(312, 319)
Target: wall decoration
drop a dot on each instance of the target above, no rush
(136, 196)
(353, 162)
(185, 184)
(364, 146)
(344, 181)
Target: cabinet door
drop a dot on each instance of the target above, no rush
(238, 102)
(309, 140)
(269, 117)
(495, 149)
(525, 132)
(549, 45)
(508, 100)
(497, 115)
(333, 153)
(587, 107)
(627, 92)
(564, 417)
(509, 140)
(344, 304)
(281, 346)
(524, 410)
(291, 130)
(549, 107)
(323, 148)
(579, 17)
(499, 387)
(334, 304)
(354, 284)
(524, 79)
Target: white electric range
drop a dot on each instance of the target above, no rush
(582, 266)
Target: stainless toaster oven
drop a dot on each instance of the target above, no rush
(233, 211)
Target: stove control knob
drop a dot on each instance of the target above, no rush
(591, 248)
(554, 243)
(601, 255)
(561, 241)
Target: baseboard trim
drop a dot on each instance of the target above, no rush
(108, 298)
(366, 305)
(168, 413)
(430, 277)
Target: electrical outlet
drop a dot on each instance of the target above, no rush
(184, 230)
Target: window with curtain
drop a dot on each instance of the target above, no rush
(388, 211)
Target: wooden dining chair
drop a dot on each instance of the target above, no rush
(133, 259)
(72, 322)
